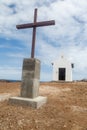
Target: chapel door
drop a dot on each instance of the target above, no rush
(62, 72)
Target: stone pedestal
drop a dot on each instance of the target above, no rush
(30, 85)
(30, 78)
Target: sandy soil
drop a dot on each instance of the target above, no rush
(66, 108)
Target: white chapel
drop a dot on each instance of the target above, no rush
(62, 69)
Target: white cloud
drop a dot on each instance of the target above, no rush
(10, 73)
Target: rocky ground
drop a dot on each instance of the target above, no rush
(66, 108)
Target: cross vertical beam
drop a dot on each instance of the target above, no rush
(34, 34)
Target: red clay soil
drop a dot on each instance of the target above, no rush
(66, 108)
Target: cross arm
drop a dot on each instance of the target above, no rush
(37, 24)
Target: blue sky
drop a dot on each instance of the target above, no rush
(68, 36)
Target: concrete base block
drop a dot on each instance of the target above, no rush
(30, 78)
(34, 103)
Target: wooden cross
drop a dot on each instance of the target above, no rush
(34, 25)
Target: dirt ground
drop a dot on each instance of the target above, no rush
(66, 108)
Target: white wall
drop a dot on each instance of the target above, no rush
(62, 63)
